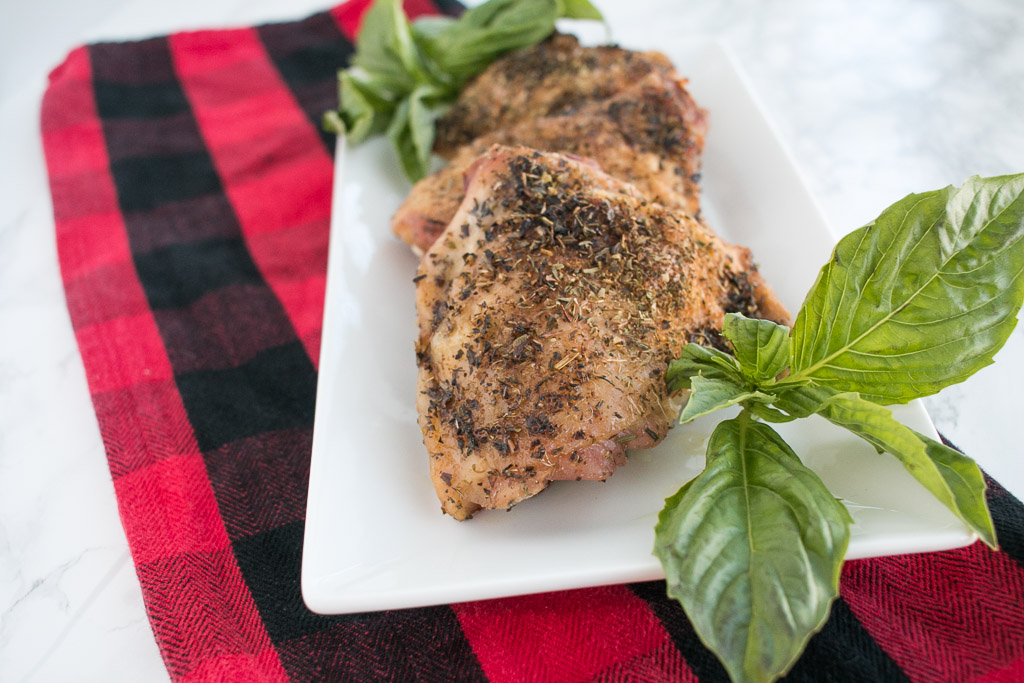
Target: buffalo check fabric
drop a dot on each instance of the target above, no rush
(191, 191)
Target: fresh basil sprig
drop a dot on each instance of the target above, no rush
(404, 75)
(917, 300)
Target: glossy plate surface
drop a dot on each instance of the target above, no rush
(375, 537)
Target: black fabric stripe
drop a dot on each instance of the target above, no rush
(142, 62)
(424, 644)
(452, 8)
(308, 55)
(145, 182)
(1007, 515)
(144, 101)
(401, 645)
(275, 390)
(271, 569)
(700, 660)
(246, 402)
(178, 274)
(261, 481)
(842, 651)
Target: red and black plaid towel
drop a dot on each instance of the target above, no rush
(191, 189)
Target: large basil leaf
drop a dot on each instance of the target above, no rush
(710, 395)
(752, 548)
(762, 347)
(919, 299)
(950, 476)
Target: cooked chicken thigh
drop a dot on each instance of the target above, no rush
(548, 310)
(651, 134)
(555, 76)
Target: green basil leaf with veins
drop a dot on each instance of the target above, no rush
(761, 346)
(950, 476)
(919, 299)
(701, 360)
(752, 548)
(710, 395)
(412, 133)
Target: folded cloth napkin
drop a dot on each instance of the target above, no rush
(191, 189)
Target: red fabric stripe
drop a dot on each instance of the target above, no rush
(419, 8)
(941, 616)
(565, 636)
(118, 367)
(103, 293)
(168, 509)
(92, 246)
(164, 497)
(78, 148)
(238, 667)
(275, 171)
(259, 200)
(91, 242)
(157, 429)
(349, 15)
(664, 663)
(78, 195)
(1011, 673)
(205, 621)
(68, 101)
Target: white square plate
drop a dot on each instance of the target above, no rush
(375, 537)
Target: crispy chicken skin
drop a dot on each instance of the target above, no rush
(555, 76)
(651, 134)
(548, 311)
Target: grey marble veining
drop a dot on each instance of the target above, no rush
(874, 100)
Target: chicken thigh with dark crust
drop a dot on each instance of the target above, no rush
(549, 309)
(556, 76)
(651, 134)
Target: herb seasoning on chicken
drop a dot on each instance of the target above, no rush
(556, 76)
(650, 134)
(549, 309)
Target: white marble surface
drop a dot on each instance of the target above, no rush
(875, 99)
